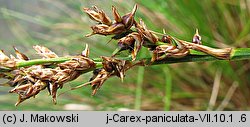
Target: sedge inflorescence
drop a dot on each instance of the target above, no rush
(130, 34)
(29, 81)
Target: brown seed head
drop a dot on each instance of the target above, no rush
(97, 15)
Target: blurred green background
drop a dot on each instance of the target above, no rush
(61, 25)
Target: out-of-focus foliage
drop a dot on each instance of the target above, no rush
(61, 26)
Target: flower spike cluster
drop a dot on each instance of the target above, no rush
(29, 81)
(111, 67)
(105, 26)
(131, 35)
(133, 38)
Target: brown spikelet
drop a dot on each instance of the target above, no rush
(98, 15)
(111, 67)
(44, 52)
(29, 81)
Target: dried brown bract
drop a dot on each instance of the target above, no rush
(173, 48)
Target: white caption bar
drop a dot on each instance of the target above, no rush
(125, 119)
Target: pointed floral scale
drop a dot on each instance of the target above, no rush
(44, 52)
(3, 57)
(128, 19)
(20, 55)
(116, 15)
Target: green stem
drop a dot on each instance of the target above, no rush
(240, 54)
(195, 56)
(140, 78)
(41, 61)
(168, 89)
(236, 54)
(139, 83)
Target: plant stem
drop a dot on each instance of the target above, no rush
(195, 56)
(41, 61)
(240, 54)
(236, 54)
(140, 78)
(139, 88)
(168, 89)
